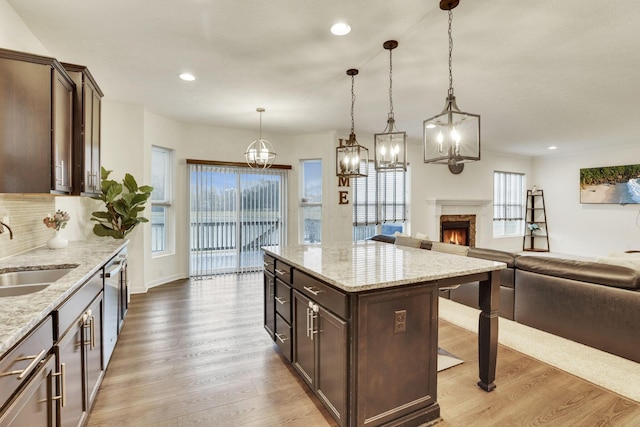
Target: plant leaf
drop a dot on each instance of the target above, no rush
(130, 182)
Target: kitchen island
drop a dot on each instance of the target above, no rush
(359, 323)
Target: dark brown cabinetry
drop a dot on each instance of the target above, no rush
(79, 350)
(34, 406)
(27, 380)
(86, 134)
(269, 296)
(320, 353)
(370, 357)
(282, 302)
(36, 124)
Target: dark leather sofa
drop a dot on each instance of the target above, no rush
(468, 294)
(588, 302)
(592, 303)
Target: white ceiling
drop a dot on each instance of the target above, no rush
(540, 73)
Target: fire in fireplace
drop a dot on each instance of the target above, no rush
(455, 232)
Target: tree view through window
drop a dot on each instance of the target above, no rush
(311, 201)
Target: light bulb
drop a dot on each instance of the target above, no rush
(455, 135)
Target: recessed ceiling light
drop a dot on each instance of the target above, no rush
(340, 29)
(553, 147)
(188, 77)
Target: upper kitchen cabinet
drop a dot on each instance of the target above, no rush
(36, 124)
(86, 116)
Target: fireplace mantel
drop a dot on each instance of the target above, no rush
(459, 202)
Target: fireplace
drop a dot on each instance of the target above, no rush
(458, 229)
(456, 232)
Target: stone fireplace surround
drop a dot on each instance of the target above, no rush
(461, 210)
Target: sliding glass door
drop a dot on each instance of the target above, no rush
(234, 211)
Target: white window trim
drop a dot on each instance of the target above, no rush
(167, 203)
(518, 223)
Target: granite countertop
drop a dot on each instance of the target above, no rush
(361, 266)
(19, 314)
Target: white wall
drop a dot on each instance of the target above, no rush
(122, 150)
(431, 182)
(14, 33)
(172, 265)
(582, 229)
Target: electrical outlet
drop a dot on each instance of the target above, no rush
(400, 321)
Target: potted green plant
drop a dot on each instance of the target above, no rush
(123, 202)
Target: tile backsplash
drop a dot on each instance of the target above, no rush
(25, 213)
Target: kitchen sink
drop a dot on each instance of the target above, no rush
(25, 282)
(14, 291)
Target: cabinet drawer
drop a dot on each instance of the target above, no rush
(37, 343)
(283, 271)
(283, 336)
(283, 300)
(269, 263)
(69, 310)
(323, 294)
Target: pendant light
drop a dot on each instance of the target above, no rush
(452, 137)
(351, 158)
(390, 146)
(260, 153)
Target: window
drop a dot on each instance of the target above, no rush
(311, 201)
(379, 203)
(508, 204)
(161, 178)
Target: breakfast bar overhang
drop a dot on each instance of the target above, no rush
(359, 323)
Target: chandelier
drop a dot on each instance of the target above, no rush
(452, 137)
(351, 158)
(260, 153)
(390, 146)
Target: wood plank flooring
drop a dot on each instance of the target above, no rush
(195, 353)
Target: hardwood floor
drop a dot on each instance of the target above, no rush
(196, 353)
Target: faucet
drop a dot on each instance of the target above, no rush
(3, 226)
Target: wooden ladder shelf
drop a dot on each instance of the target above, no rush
(536, 232)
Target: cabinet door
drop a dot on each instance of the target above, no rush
(25, 120)
(33, 406)
(93, 350)
(94, 186)
(91, 102)
(61, 132)
(304, 358)
(269, 304)
(331, 377)
(70, 360)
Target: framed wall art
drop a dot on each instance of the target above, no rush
(610, 185)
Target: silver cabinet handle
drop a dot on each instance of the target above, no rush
(282, 340)
(280, 272)
(63, 385)
(91, 319)
(311, 290)
(114, 271)
(281, 300)
(313, 309)
(61, 167)
(26, 371)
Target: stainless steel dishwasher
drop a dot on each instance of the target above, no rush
(115, 302)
